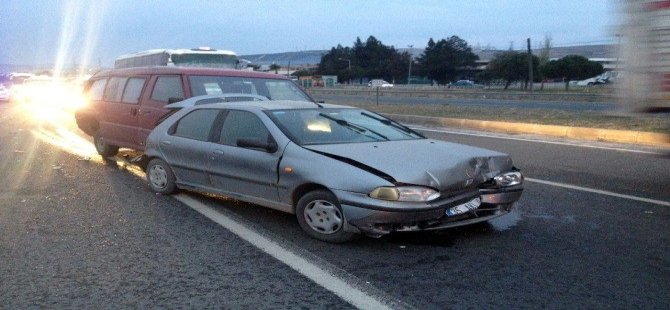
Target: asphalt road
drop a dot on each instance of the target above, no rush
(487, 103)
(77, 231)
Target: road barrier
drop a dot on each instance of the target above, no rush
(467, 94)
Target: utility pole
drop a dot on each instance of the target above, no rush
(409, 73)
(530, 66)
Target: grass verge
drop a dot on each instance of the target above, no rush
(607, 120)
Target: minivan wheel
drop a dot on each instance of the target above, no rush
(160, 177)
(104, 149)
(320, 216)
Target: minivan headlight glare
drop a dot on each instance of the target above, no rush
(509, 179)
(405, 193)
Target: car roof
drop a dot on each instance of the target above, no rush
(189, 71)
(273, 105)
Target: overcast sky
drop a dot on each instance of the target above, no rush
(45, 31)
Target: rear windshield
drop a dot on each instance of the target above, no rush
(273, 89)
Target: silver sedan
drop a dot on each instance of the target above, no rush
(343, 171)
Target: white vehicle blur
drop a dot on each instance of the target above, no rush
(379, 83)
(45, 92)
(605, 78)
(4, 93)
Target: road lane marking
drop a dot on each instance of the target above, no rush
(537, 141)
(601, 192)
(336, 284)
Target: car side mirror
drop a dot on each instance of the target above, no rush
(174, 99)
(269, 147)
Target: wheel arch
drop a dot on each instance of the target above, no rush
(303, 189)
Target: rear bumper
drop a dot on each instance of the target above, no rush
(377, 217)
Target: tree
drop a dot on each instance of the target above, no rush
(572, 67)
(275, 67)
(511, 66)
(371, 59)
(445, 59)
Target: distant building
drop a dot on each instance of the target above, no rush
(606, 54)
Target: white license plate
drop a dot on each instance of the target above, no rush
(460, 209)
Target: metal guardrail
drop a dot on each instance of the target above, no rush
(467, 94)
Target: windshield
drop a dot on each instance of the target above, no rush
(334, 126)
(205, 60)
(273, 89)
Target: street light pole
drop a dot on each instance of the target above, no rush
(348, 62)
(409, 73)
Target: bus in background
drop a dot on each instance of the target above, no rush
(197, 57)
(645, 54)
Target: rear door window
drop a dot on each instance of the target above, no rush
(114, 89)
(97, 89)
(167, 87)
(196, 125)
(133, 90)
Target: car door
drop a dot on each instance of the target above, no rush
(244, 171)
(152, 106)
(187, 146)
(118, 121)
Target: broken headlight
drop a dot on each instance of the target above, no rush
(509, 179)
(405, 193)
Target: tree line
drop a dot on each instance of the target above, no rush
(448, 60)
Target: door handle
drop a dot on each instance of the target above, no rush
(146, 112)
(218, 152)
(166, 142)
(133, 111)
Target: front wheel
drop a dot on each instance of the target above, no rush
(320, 216)
(104, 149)
(160, 177)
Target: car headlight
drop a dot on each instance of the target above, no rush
(509, 179)
(405, 193)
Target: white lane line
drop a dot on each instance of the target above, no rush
(331, 282)
(601, 192)
(532, 140)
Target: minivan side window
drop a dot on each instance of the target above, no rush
(133, 90)
(167, 87)
(196, 125)
(242, 125)
(114, 89)
(97, 89)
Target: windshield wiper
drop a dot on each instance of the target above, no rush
(357, 128)
(393, 124)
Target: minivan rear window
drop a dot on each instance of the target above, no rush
(133, 90)
(97, 89)
(114, 89)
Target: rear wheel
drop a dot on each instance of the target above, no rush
(104, 149)
(160, 177)
(320, 216)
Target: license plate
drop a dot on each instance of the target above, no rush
(468, 206)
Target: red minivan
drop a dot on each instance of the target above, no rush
(124, 105)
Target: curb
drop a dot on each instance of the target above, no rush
(581, 133)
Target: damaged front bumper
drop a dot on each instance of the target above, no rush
(376, 217)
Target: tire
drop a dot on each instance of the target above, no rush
(320, 216)
(104, 149)
(160, 177)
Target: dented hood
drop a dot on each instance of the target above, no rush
(437, 164)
